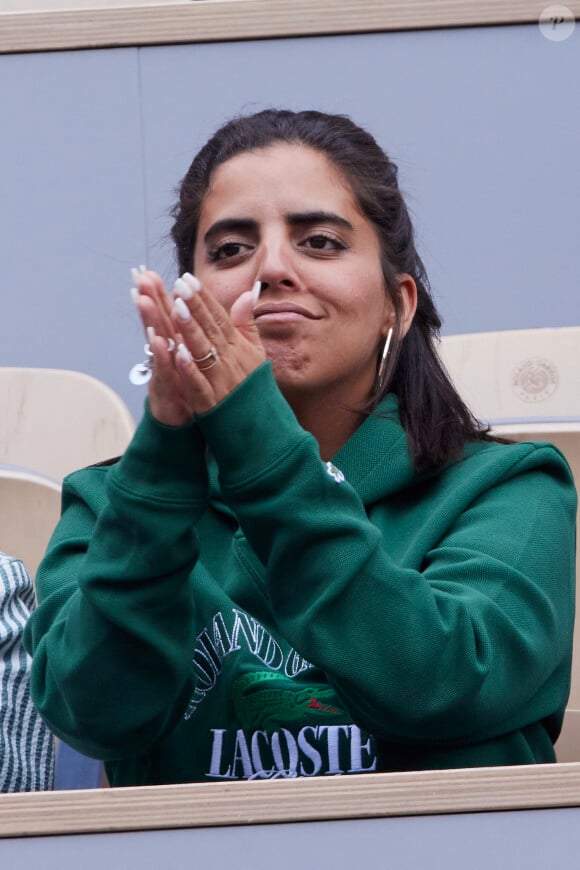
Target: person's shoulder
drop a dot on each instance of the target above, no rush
(7, 561)
(91, 472)
(13, 568)
(106, 463)
(88, 484)
(507, 459)
(14, 581)
(513, 452)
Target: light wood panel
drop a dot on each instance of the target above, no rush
(302, 799)
(222, 20)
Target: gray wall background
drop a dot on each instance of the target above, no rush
(483, 122)
(522, 840)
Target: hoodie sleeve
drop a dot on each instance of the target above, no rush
(115, 615)
(454, 647)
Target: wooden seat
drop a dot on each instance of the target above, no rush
(526, 384)
(29, 511)
(54, 421)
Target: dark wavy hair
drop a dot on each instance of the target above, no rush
(436, 420)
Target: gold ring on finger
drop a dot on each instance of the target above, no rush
(213, 358)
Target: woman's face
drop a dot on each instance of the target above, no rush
(285, 216)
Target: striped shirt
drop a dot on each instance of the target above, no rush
(26, 744)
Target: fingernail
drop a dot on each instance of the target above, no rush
(183, 353)
(150, 334)
(181, 289)
(256, 289)
(193, 282)
(135, 275)
(181, 309)
(134, 295)
(142, 269)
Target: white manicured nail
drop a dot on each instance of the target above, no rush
(183, 353)
(192, 281)
(134, 295)
(181, 289)
(142, 268)
(150, 334)
(181, 309)
(256, 289)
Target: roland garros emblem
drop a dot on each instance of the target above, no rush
(535, 380)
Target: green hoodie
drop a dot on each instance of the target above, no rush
(298, 617)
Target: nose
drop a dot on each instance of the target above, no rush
(276, 267)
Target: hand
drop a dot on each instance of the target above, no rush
(167, 399)
(227, 347)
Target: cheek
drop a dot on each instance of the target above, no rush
(224, 288)
(222, 291)
(378, 299)
(367, 293)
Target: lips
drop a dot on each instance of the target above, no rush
(283, 310)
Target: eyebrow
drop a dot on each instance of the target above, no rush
(318, 217)
(230, 225)
(294, 219)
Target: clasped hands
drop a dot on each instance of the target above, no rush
(227, 347)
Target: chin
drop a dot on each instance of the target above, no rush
(289, 364)
(294, 385)
(291, 382)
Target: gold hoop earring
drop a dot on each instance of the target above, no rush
(383, 363)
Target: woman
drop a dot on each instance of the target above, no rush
(311, 559)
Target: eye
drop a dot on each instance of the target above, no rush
(228, 251)
(325, 243)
